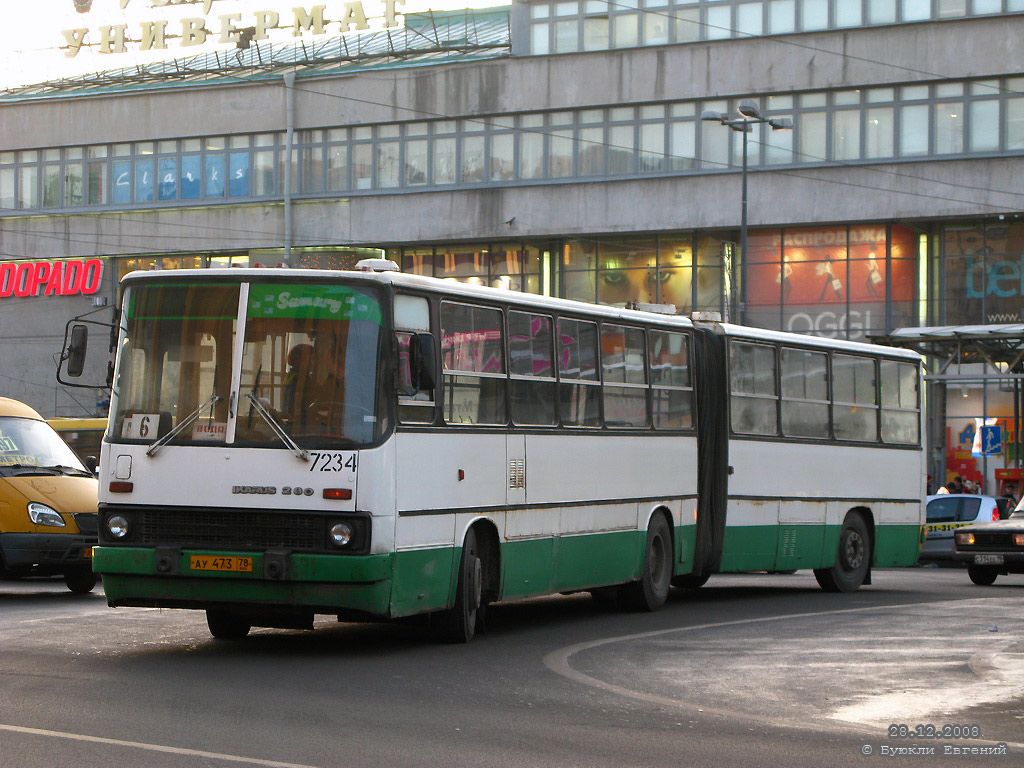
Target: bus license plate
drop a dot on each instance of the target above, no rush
(988, 559)
(211, 563)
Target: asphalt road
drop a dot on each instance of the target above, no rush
(751, 670)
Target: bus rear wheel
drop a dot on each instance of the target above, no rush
(459, 624)
(982, 575)
(651, 591)
(852, 560)
(690, 580)
(224, 625)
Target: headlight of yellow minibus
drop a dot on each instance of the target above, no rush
(40, 514)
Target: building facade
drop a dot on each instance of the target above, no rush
(556, 147)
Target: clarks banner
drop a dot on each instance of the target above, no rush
(193, 23)
(50, 278)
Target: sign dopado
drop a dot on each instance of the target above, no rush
(226, 28)
(50, 278)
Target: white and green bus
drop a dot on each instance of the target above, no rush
(376, 445)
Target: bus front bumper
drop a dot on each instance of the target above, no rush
(165, 578)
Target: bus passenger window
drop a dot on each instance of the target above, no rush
(579, 387)
(804, 393)
(900, 417)
(671, 393)
(530, 364)
(854, 402)
(754, 397)
(472, 352)
(625, 376)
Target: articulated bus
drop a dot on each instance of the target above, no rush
(376, 445)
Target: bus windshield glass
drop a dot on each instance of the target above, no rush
(312, 359)
(310, 364)
(175, 359)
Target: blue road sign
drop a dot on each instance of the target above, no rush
(991, 440)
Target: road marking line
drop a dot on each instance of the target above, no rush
(151, 747)
(558, 662)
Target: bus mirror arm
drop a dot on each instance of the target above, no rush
(71, 360)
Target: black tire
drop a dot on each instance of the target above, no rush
(460, 623)
(81, 582)
(690, 580)
(982, 575)
(224, 625)
(651, 591)
(608, 598)
(852, 560)
(13, 573)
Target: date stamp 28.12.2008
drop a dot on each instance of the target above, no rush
(909, 740)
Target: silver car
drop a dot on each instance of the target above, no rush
(948, 511)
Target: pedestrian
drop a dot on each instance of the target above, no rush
(1010, 494)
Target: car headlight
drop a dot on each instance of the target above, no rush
(965, 538)
(117, 526)
(40, 514)
(340, 534)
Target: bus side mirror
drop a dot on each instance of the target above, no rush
(421, 361)
(75, 353)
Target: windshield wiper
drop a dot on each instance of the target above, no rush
(276, 427)
(64, 469)
(27, 470)
(162, 441)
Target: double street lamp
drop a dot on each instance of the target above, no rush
(749, 115)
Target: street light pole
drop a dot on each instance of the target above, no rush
(748, 116)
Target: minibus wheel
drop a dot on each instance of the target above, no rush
(81, 582)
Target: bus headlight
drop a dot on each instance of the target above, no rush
(340, 534)
(40, 514)
(117, 526)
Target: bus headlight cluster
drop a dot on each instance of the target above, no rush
(341, 534)
(40, 514)
(117, 526)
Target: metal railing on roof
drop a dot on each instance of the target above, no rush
(427, 39)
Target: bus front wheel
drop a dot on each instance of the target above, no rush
(225, 625)
(852, 560)
(651, 591)
(459, 623)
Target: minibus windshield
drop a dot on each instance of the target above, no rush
(28, 446)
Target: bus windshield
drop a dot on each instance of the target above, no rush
(312, 358)
(309, 364)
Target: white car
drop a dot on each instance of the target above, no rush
(948, 511)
